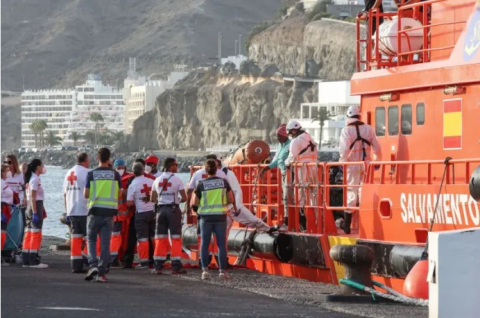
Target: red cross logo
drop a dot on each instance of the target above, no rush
(165, 185)
(72, 177)
(146, 189)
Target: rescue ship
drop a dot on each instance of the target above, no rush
(418, 75)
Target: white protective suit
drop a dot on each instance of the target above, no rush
(306, 175)
(245, 217)
(356, 153)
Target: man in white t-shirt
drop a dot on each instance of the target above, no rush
(76, 209)
(167, 189)
(139, 192)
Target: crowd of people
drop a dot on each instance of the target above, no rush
(112, 211)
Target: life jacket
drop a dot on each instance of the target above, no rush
(360, 138)
(124, 212)
(312, 146)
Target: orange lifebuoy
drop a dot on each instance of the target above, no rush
(253, 152)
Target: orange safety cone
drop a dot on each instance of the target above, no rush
(416, 284)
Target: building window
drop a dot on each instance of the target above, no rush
(380, 121)
(393, 120)
(314, 112)
(406, 119)
(420, 114)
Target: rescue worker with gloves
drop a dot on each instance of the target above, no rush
(76, 210)
(138, 196)
(302, 149)
(356, 142)
(166, 191)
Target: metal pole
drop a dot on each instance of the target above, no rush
(219, 48)
(236, 43)
(240, 44)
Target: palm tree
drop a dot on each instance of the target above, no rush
(96, 118)
(75, 136)
(90, 136)
(322, 116)
(117, 135)
(52, 139)
(34, 128)
(42, 126)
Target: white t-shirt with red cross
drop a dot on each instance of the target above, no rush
(73, 186)
(7, 192)
(201, 175)
(168, 186)
(139, 191)
(35, 184)
(16, 183)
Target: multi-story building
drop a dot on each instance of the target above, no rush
(140, 93)
(336, 98)
(66, 111)
(52, 106)
(95, 97)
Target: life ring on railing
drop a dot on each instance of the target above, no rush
(254, 152)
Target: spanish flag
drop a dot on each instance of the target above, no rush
(452, 124)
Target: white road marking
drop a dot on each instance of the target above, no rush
(69, 308)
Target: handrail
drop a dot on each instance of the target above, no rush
(374, 58)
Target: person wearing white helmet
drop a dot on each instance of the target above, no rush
(302, 150)
(356, 142)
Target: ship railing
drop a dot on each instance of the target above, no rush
(373, 57)
(457, 171)
(309, 194)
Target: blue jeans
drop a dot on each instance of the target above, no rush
(96, 225)
(220, 231)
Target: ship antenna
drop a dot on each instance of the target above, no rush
(432, 221)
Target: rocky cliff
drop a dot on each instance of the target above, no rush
(57, 42)
(225, 106)
(326, 46)
(210, 108)
(11, 126)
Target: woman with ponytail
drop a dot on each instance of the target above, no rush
(34, 215)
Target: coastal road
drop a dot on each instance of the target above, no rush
(55, 292)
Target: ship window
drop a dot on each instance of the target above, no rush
(420, 114)
(380, 121)
(406, 119)
(393, 120)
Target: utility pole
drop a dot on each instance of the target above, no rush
(23, 82)
(236, 43)
(219, 48)
(240, 44)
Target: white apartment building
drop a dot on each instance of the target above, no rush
(69, 110)
(53, 106)
(140, 93)
(95, 97)
(336, 98)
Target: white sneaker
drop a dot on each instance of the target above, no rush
(140, 266)
(5, 264)
(205, 275)
(39, 266)
(224, 275)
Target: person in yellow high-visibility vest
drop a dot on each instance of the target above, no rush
(212, 197)
(102, 189)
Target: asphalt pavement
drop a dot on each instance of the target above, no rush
(55, 292)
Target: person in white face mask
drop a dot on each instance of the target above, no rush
(151, 166)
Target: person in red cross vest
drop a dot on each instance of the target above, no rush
(77, 211)
(166, 191)
(118, 242)
(139, 196)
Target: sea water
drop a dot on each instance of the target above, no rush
(52, 183)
